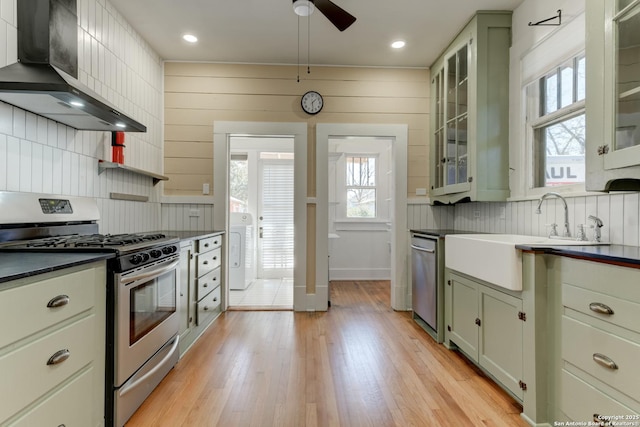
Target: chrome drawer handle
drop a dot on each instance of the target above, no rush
(603, 360)
(58, 301)
(59, 357)
(598, 307)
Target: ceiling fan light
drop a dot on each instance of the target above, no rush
(303, 7)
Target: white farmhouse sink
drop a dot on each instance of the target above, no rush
(494, 257)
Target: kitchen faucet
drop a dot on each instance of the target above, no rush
(545, 196)
(597, 225)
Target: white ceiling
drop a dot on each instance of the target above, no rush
(266, 31)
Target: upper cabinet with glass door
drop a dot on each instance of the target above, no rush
(470, 109)
(613, 95)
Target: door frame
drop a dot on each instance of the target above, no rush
(399, 243)
(222, 131)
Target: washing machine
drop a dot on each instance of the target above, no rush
(241, 251)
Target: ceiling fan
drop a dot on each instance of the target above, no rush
(334, 13)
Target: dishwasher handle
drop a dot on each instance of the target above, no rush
(418, 248)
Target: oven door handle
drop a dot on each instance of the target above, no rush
(153, 273)
(129, 387)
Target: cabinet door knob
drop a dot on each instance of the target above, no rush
(478, 322)
(205, 285)
(59, 357)
(605, 361)
(600, 308)
(206, 308)
(215, 299)
(58, 301)
(215, 258)
(205, 262)
(206, 245)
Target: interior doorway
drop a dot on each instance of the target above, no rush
(395, 224)
(261, 222)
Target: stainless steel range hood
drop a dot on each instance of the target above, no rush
(44, 81)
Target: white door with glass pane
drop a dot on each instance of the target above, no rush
(275, 219)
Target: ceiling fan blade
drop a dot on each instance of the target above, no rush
(334, 13)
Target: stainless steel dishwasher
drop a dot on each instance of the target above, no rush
(424, 280)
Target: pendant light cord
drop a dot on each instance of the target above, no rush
(308, 44)
(298, 49)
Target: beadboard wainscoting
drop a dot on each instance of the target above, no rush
(187, 217)
(618, 211)
(40, 155)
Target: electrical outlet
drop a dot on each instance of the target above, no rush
(194, 212)
(205, 188)
(476, 214)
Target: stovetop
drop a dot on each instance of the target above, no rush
(115, 241)
(132, 250)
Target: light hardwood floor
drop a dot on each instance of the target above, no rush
(359, 364)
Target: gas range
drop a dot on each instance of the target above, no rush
(38, 222)
(132, 249)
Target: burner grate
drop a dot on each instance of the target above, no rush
(93, 240)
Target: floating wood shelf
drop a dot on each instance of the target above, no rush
(104, 165)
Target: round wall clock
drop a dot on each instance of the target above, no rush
(312, 102)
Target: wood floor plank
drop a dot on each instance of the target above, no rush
(359, 364)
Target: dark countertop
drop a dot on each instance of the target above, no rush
(17, 265)
(617, 254)
(441, 233)
(189, 235)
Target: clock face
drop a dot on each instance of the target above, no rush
(312, 102)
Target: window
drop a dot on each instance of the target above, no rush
(556, 115)
(361, 186)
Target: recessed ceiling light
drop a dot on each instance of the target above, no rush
(190, 38)
(398, 44)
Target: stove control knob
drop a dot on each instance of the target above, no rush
(136, 259)
(156, 253)
(169, 250)
(145, 256)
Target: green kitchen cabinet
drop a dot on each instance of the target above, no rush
(200, 301)
(596, 318)
(486, 324)
(469, 129)
(613, 101)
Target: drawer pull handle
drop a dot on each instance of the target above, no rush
(215, 299)
(205, 285)
(59, 357)
(58, 301)
(206, 308)
(215, 258)
(215, 242)
(206, 245)
(598, 307)
(205, 262)
(603, 360)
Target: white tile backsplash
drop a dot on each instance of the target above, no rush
(40, 155)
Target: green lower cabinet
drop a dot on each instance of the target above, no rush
(487, 325)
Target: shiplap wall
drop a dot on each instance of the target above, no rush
(197, 94)
(40, 155)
